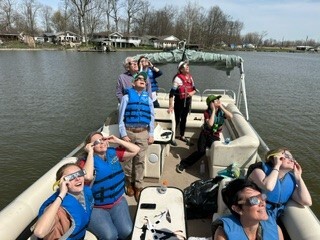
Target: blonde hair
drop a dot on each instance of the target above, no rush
(271, 154)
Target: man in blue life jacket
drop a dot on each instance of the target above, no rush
(136, 125)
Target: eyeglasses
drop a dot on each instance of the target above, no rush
(285, 154)
(99, 141)
(140, 78)
(133, 63)
(255, 200)
(75, 175)
(288, 156)
(71, 177)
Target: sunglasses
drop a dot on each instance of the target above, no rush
(140, 78)
(255, 200)
(71, 177)
(285, 154)
(99, 141)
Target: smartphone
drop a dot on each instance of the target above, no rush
(148, 206)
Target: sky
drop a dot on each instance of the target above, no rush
(280, 19)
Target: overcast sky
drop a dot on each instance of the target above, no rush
(281, 19)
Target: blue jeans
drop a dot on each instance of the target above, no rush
(111, 224)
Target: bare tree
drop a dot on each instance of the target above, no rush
(114, 13)
(95, 16)
(132, 7)
(82, 9)
(30, 10)
(6, 14)
(46, 16)
(215, 26)
(141, 21)
(161, 22)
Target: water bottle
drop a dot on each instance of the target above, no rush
(202, 168)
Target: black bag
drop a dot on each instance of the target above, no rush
(201, 198)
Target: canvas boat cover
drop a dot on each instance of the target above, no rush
(218, 61)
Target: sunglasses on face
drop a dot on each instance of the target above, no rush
(75, 175)
(99, 141)
(140, 78)
(288, 156)
(255, 200)
(70, 177)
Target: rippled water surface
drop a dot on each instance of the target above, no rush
(49, 102)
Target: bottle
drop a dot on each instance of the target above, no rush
(162, 189)
(202, 168)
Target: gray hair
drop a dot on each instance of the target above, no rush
(127, 61)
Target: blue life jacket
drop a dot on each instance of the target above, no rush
(79, 216)
(154, 83)
(282, 192)
(234, 230)
(108, 185)
(138, 110)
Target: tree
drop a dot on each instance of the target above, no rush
(216, 24)
(132, 7)
(141, 21)
(161, 22)
(82, 7)
(30, 10)
(95, 16)
(6, 14)
(46, 15)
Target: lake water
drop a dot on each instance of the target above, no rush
(50, 101)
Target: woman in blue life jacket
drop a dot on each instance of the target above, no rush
(280, 179)
(110, 218)
(153, 72)
(248, 219)
(214, 117)
(66, 213)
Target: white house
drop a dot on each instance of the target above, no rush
(166, 42)
(67, 37)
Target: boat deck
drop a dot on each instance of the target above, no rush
(195, 227)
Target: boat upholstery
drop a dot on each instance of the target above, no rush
(242, 149)
(198, 102)
(222, 207)
(157, 151)
(300, 222)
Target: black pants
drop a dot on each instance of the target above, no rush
(181, 110)
(205, 140)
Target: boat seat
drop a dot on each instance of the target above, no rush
(242, 149)
(198, 102)
(88, 236)
(222, 207)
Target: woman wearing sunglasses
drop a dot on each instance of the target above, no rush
(249, 219)
(110, 219)
(66, 213)
(280, 179)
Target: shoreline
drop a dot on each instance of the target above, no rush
(288, 50)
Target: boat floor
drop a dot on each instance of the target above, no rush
(195, 227)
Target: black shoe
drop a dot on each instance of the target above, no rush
(173, 143)
(179, 168)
